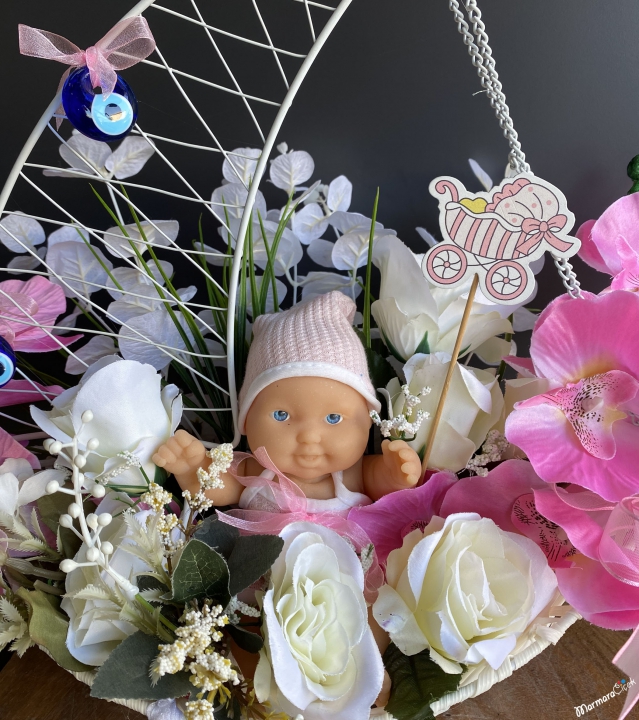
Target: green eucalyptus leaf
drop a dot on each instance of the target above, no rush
(249, 641)
(218, 535)
(251, 558)
(201, 573)
(417, 682)
(125, 674)
(48, 627)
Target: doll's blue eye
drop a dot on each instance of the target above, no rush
(333, 419)
(280, 415)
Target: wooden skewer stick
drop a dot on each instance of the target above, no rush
(449, 374)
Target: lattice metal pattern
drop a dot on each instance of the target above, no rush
(277, 70)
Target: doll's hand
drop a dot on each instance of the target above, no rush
(181, 455)
(402, 462)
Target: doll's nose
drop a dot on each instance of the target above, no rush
(309, 436)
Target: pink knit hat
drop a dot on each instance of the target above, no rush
(313, 339)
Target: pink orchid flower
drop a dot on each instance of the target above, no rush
(584, 428)
(611, 244)
(590, 585)
(18, 392)
(10, 448)
(26, 308)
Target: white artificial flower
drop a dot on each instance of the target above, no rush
(131, 412)
(92, 602)
(319, 658)
(464, 589)
(415, 316)
(473, 405)
(20, 487)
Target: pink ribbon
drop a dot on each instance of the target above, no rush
(292, 508)
(126, 44)
(537, 230)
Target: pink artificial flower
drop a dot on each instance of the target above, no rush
(17, 392)
(393, 516)
(611, 244)
(26, 307)
(588, 586)
(584, 429)
(10, 448)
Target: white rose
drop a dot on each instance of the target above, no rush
(320, 658)
(131, 411)
(95, 626)
(465, 589)
(473, 405)
(417, 317)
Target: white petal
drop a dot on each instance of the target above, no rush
(94, 152)
(321, 252)
(18, 233)
(142, 337)
(34, 488)
(78, 267)
(158, 233)
(290, 170)
(67, 233)
(98, 347)
(8, 493)
(340, 192)
(24, 262)
(310, 223)
(240, 164)
(130, 157)
(320, 283)
(349, 221)
(129, 278)
(483, 177)
(231, 198)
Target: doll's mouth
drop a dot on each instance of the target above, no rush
(309, 459)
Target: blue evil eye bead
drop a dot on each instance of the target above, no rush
(106, 119)
(280, 415)
(7, 362)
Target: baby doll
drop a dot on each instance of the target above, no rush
(305, 406)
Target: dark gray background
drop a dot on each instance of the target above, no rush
(392, 99)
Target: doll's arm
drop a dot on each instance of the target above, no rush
(183, 455)
(397, 468)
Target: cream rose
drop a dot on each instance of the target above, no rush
(465, 589)
(319, 658)
(474, 404)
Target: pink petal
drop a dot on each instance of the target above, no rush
(524, 366)
(589, 252)
(44, 343)
(583, 528)
(598, 596)
(551, 445)
(386, 520)
(493, 496)
(628, 278)
(575, 339)
(10, 448)
(620, 219)
(18, 392)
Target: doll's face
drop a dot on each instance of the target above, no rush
(310, 426)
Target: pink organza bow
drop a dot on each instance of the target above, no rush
(127, 43)
(292, 508)
(538, 230)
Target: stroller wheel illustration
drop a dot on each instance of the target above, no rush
(506, 280)
(446, 264)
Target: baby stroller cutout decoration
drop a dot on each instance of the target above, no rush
(498, 234)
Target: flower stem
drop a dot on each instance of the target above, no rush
(151, 609)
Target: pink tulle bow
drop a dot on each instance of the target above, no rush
(292, 508)
(126, 44)
(538, 230)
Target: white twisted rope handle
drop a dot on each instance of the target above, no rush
(482, 58)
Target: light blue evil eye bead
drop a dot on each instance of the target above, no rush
(7, 362)
(112, 115)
